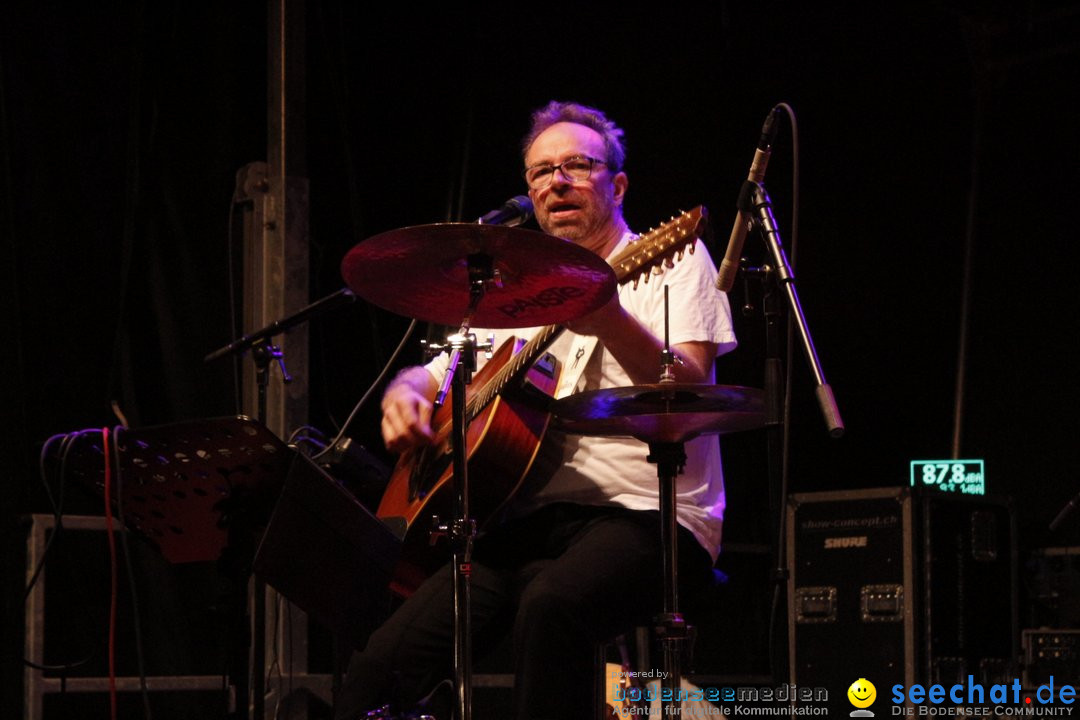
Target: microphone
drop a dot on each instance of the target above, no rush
(725, 277)
(514, 211)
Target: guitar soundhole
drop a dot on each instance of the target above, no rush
(430, 464)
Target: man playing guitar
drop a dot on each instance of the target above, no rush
(574, 557)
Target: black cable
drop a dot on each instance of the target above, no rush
(57, 508)
(43, 471)
(289, 636)
(318, 446)
(367, 395)
(785, 460)
(790, 359)
(274, 668)
(304, 433)
(67, 443)
(336, 55)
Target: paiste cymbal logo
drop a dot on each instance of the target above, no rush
(862, 694)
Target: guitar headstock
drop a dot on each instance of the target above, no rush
(660, 248)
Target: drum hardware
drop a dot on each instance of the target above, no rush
(665, 416)
(430, 272)
(490, 275)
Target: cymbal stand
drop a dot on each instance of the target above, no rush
(461, 531)
(670, 459)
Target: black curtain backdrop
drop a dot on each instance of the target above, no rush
(122, 127)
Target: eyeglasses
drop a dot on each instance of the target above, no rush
(574, 169)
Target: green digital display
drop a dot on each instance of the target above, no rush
(956, 476)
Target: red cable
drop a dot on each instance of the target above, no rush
(112, 572)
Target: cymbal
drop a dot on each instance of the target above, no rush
(662, 412)
(423, 272)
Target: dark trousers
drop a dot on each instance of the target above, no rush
(561, 580)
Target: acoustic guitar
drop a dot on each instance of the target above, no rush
(506, 416)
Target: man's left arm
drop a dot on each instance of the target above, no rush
(637, 350)
(699, 317)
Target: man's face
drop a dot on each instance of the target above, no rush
(578, 211)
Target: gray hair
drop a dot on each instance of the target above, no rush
(557, 112)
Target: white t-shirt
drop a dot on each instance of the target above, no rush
(614, 471)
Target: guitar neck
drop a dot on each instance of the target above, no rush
(512, 370)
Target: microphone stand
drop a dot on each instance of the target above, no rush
(264, 353)
(344, 295)
(778, 278)
(783, 275)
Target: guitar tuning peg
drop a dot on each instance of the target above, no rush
(657, 270)
(679, 254)
(668, 262)
(691, 248)
(636, 279)
(645, 277)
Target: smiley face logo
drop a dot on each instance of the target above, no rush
(862, 693)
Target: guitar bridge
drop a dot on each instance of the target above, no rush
(547, 364)
(539, 383)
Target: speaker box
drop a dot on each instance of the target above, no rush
(900, 587)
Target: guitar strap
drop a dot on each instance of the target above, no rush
(573, 365)
(583, 346)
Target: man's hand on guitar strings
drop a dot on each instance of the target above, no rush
(406, 421)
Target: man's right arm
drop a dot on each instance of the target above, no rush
(406, 407)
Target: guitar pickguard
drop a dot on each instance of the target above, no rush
(431, 463)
